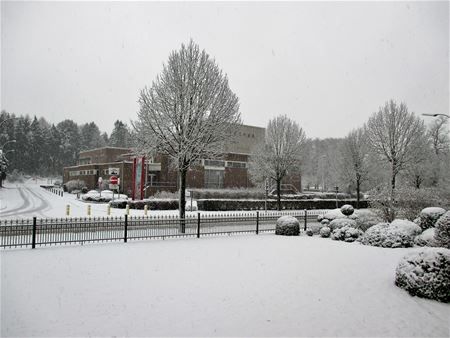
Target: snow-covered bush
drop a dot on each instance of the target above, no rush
(346, 233)
(426, 238)
(365, 218)
(442, 232)
(103, 197)
(320, 218)
(333, 214)
(325, 221)
(342, 222)
(426, 274)
(287, 226)
(347, 209)
(325, 232)
(398, 234)
(73, 185)
(429, 216)
(309, 232)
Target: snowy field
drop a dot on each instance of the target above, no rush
(251, 285)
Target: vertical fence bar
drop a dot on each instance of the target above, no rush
(198, 225)
(257, 222)
(125, 233)
(306, 217)
(33, 238)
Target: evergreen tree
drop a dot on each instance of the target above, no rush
(120, 136)
(91, 137)
(70, 142)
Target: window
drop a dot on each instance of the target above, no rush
(214, 179)
(214, 163)
(235, 164)
(74, 173)
(86, 160)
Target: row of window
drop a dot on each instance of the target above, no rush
(83, 172)
(228, 164)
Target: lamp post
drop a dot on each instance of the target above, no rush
(337, 190)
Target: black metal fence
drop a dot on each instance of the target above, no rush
(22, 233)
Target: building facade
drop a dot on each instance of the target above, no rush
(230, 171)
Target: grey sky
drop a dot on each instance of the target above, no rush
(327, 65)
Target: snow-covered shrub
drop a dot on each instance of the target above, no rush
(320, 218)
(342, 222)
(119, 203)
(429, 216)
(442, 232)
(287, 226)
(365, 218)
(333, 214)
(426, 274)
(426, 238)
(398, 234)
(347, 209)
(73, 185)
(325, 232)
(325, 221)
(346, 233)
(309, 232)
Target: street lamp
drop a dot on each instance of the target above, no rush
(436, 115)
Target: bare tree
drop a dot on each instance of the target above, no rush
(188, 113)
(395, 135)
(280, 152)
(354, 160)
(439, 135)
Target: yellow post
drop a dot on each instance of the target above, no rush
(145, 209)
(127, 210)
(109, 210)
(68, 210)
(89, 210)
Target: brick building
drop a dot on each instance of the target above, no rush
(231, 171)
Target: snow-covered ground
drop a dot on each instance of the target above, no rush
(252, 285)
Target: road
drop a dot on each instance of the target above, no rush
(23, 201)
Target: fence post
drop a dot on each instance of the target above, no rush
(125, 233)
(257, 222)
(198, 225)
(33, 239)
(306, 217)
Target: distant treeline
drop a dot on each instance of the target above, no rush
(42, 148)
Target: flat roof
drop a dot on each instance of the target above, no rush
(121, 148)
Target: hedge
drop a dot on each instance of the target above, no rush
(225, 205)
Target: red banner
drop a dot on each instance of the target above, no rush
(138, 178)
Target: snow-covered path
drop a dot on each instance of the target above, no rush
(263, 285)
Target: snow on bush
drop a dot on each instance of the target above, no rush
(309, 232)
(333, 214)
(426, 238)
(73, 185)
(442, 232)
(429, 216)
(398, 234)
(325, 232)
(325, 221)
(365, 219)
(347, 209)
(287, 226)
(346, 233)
(426, 274)
(342, 222)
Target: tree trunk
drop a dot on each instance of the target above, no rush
(358, 188)
(182, 200)
(278, 194)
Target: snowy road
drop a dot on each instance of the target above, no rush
(23, 201)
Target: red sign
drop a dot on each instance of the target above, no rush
(113, 180)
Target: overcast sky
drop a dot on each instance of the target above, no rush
(326, 65)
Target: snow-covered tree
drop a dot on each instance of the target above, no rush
(91, 137)
(354, 160)
(188, 113)
(279, 154)
(120, 136)
(70, 142)
(395, 134)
